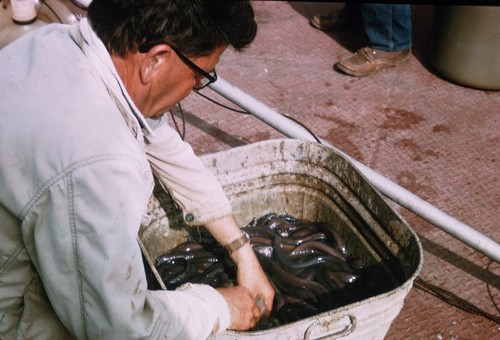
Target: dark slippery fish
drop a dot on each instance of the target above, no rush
(308, 264)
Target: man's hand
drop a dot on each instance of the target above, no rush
(250, 273)
(244, 311)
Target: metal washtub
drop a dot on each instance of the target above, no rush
(311, 182)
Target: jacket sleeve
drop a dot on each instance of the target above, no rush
(81, 234)
(194, 188)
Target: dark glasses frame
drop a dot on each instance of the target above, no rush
(208, 77)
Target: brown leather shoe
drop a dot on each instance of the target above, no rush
(336, 20)
(367, 61)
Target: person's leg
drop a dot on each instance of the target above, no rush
(389, 30)
(388, 27)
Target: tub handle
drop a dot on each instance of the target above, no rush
(349, 328)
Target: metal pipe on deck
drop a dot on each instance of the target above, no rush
(398, 194)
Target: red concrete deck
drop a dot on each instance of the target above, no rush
(437, 139)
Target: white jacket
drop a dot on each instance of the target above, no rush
(74, 184)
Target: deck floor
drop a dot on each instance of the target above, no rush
(437, 139)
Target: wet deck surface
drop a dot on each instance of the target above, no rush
(437, 139)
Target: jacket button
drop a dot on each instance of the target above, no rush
(189, 218)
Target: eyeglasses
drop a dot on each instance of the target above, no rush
(207, 77)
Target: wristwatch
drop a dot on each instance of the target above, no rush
(237, 244)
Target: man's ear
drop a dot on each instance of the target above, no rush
(152, 61)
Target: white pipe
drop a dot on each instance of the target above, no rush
(388, 188)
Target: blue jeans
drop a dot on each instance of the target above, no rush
(388, 27)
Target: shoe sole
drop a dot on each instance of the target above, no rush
(332, 28)
(323, 28)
